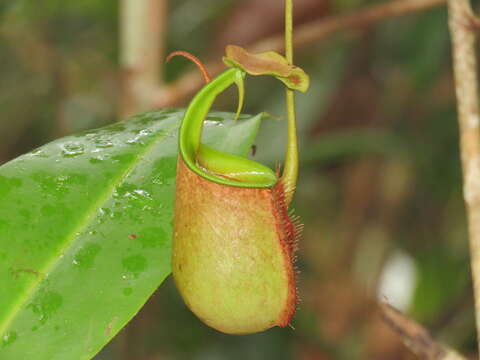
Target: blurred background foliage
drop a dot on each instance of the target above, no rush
(380, 187)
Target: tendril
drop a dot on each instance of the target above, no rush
(193, 59)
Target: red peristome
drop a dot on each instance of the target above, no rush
(288, 234)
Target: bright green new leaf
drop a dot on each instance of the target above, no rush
(85, 231)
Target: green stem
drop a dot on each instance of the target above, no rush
(289, 31)
(290, 172)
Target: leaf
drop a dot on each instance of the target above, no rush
(85, 231)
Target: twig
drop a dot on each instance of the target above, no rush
(415, 337)
(461, 22)
(304, 35)
(141, 44)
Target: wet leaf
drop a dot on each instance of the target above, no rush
(85, 231)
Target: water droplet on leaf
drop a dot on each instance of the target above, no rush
(9, 338)
(73, 149)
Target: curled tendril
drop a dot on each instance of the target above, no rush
(194, 59)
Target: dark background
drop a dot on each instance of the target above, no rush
(380, 185)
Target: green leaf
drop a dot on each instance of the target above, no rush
(85, 231)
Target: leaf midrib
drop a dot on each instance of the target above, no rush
(50, 266)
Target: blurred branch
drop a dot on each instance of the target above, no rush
(415, 337)
(142, 43)
(142, 33)
(462, 24)
(304, 35)
(372, 14)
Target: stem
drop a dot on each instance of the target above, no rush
(289, 30)
(462, 29)
(290, 173)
